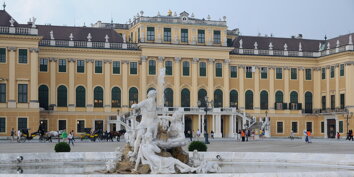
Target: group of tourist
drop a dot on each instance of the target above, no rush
(192, 134)
(350, 135)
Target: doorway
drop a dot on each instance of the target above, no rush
(331, 128)
(187, 124)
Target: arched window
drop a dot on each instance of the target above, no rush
(62, 96)
(80, 96)
(185, 98)
(202, 93)
(116, 98)
(152, 67)
(293, 97)
(150, 89)
(43, 96)
(308, 102)
(98, 97)
(264, 100)
(249, 99)
(168, 93)
(218, 98)
(279, 97)
(234, 99)
(133, 96)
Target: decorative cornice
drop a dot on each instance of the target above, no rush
(125, 62)
(301, 68)
(336, 65)
(328, 67)
(71, 60)
(177, 59)
(160, 58)
(90, 60)
(286, 68)
(36, 50)
(271, 67)
(227, 61)
(195, 60)
(107, 61)
(143, 58)
(53, 59)
(241, 66)
(11, 48)
(211, 60)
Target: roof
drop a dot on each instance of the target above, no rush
(5, 20)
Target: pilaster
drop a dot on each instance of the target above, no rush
(301, 85)
(256, 100)
(107, 86)
(349, 86)
(271, 90)
(226, 75)
(71, 98)
(143, 77)
(160, 91)
(53, 88)
(211, 79)
(328, 96)
(12, 77)
(177, 82)
(194, 94)
(286, 85)
(337, 96)
(34, 78)
(317, 89)
(241, 73)
(125, 96)
(89, 104)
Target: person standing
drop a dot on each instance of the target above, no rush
(64, 135)
(19, 135)
(291, 135)
(212, 134)
(308, 136)
(189, 133)
(243, 135)
(71, 138)
(198, 134)
(338, 135)
(13, 135)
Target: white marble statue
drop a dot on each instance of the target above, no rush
(197, 160)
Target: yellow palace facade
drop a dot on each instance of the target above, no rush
(82, 77)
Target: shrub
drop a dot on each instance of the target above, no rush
(198, 145)
(62, 147)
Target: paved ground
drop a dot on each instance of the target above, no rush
(219, 145)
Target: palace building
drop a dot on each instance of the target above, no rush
(70, 77)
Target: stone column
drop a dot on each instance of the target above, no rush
(271, 99)
(12, 77)
(218, 133)
(203, 117)
(301, 85)
(337, 76)
(125, 95)
(231, 126)
(199, 123)
(107, 86)
(286, 85)
(211, 79)
(328, 95)
(194, 91)
(177, 82)
(34, 78)
(349, 86)
(241, 93)
(143, 83)
(71, 97)
(89, 96)
(213, 120)
(226, 75)
(256, 100)
(53, 88)
(317, 89)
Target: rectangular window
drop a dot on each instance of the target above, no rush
(293, 73)
(152, 67)
(294, 127)
(22, 93)
(80, 68)
(233, 71)
(332, 71)
(167, 34)
(168, 66)
(62, 65)
(43, 65)
(2, 124)
(185, 68)
(322, 127)
(342, 101)
(2, 93)
(308, 74)
(333, 102)
(133, 68)
(248, 72)
(309, 126)
(217, 38)
(323, 73)
(21, 123)
(202, 69)
(264, 73)
(62, 124)
(201, 36)
(279, 73)
(342, 70)
(323, 102)
(279, 127)
(80, 126)
(218, 70)
(150, 33)
(184, 35)
(341, 126)
(2, 55)
(22, 56)
(98, 66)
(116, 67)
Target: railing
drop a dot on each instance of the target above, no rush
(190, 21)
(4, 29)
(330, 111)
(86, 44)
(18, 30)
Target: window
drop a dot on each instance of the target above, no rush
(133, 68)
(2, 124)
(168, 94)
(332, 71)
(185, 98)
(342, 70)
(22, 56)
(80, 126)
(98, 66)
(308, 74)
(308, 102)
(202, 93)
(279, 73)
(2, 55)
(22, 93)
(323, 73)
(233, 71)
(62, 96)
(249, 72)
(133, 96)
(184, 35)
(234, 99)
(293, 97)
(99, 125)
(98, 97)
(342, 101)
(293, 73)
(264, 100)
(333, 102)
(249, 99)
(168, 66)
(218, 70)
(279, 127)
(202, 69)
(2, 93)
(116, 98)
(279, 97)
(80, 96)
(322, 127)
(185, 68)
(150, 33)
(340, 126)
(62, 65)
(201, 36)
(217, 37)
(43, 65)
(21, 123)
(43, 96)
(309, 126)
(294, 127)
(152, 67)
(264, 73)
(167, 34)
(323, 102)
(218, 98)
(80, 68)
(116, 67)
(62, 124)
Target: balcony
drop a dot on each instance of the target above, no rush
(18, 30)
(330, 111)
(87, 44)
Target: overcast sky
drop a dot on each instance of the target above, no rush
(282, 18)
